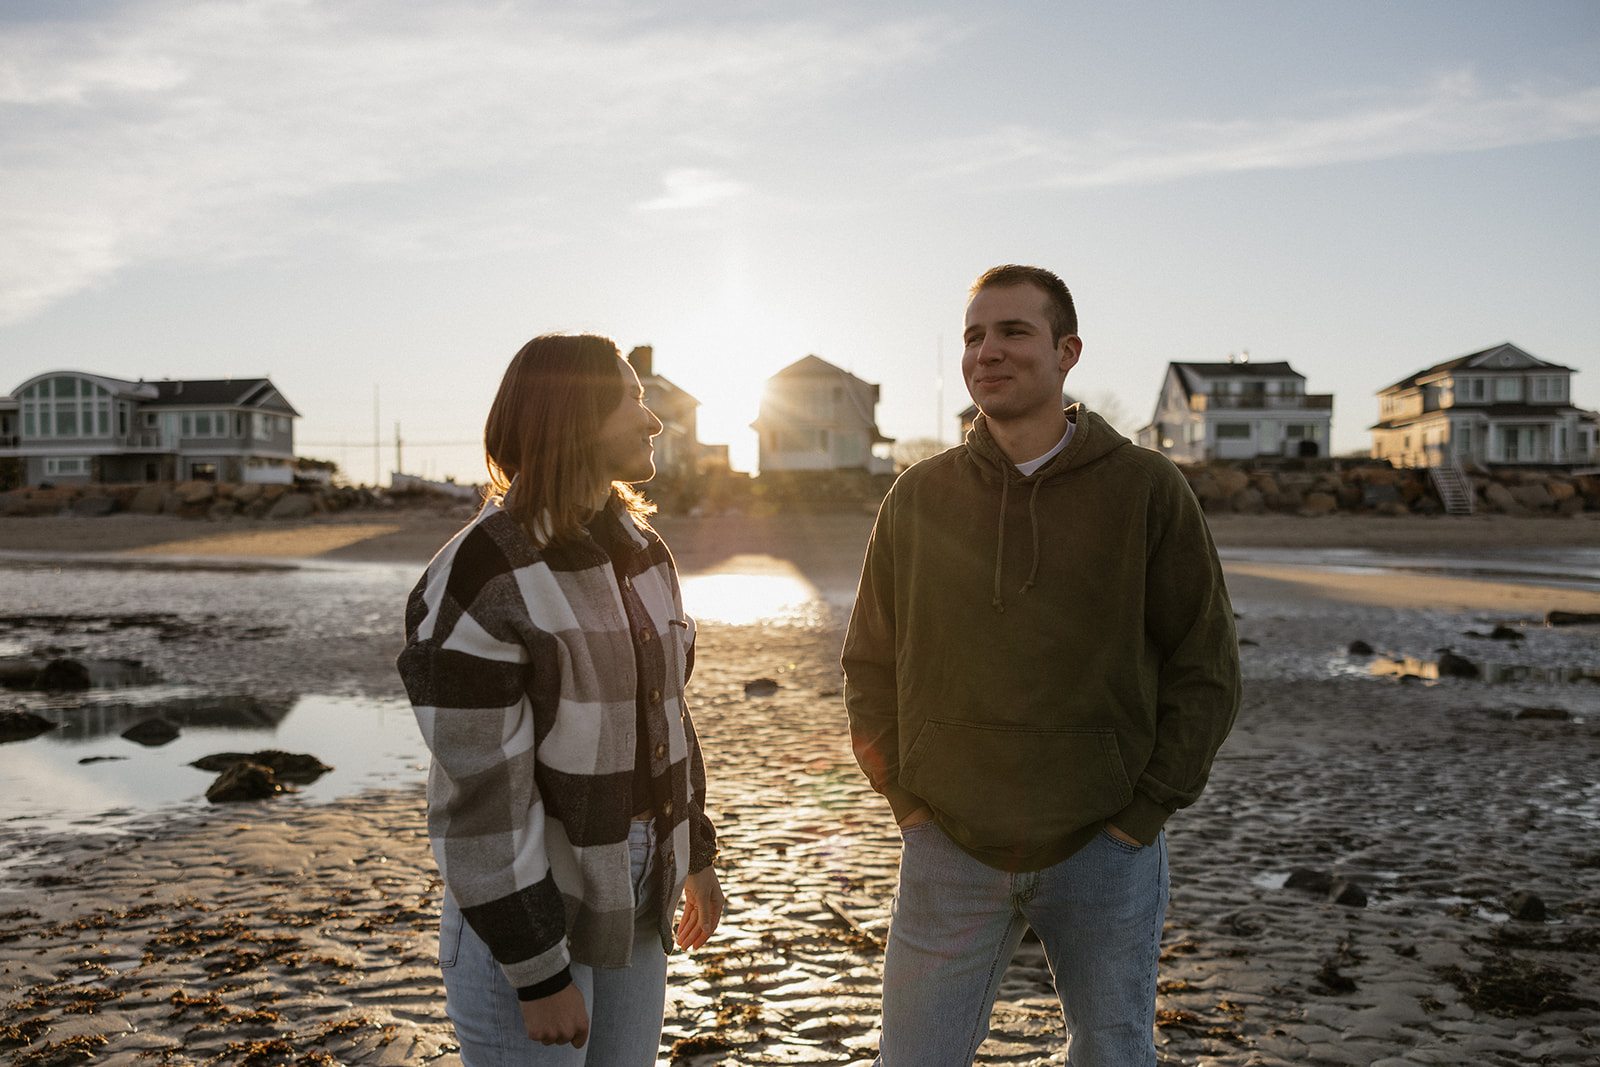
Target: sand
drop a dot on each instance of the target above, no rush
(294, 932)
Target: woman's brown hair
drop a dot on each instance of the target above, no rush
(543, 433)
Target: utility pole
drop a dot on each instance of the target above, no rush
(377, 441)
(398, 466)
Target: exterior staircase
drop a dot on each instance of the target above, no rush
(1455, 491)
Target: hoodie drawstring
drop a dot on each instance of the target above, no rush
(999, 603)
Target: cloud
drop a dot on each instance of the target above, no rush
(1452, 114)
(688, 188)
(167, 129)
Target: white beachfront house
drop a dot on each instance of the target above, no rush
(74, 426)
(1497, 407)
(1237, 410)
(816, 417)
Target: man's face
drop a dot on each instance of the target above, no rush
(1012, 368)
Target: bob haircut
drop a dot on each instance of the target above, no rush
(542, 438)
(1059, 308)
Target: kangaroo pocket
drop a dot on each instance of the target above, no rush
(1016, 787)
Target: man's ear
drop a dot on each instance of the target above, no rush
(1070, 347)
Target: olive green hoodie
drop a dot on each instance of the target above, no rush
(1033, 656)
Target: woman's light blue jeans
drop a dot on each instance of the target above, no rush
(625, 1004)
(957, 923)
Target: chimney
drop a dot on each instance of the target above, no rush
(641, 359)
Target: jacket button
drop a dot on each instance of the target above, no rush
(672, 857)
(666, 808)
(653, 696)
(646, 635)
(661, 752)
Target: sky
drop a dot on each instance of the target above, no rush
(377, 202)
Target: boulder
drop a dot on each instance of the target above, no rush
(195, 492)
(1248, 501)
(1560, 491)
(291, 506)
(1535, 497)
(244, 781)
(1317, 504)
(1454, 666)
(149, 500)
(21, 725)
(295, 767)
(1526, 907)
(245, 493)
(760, 687)
(1359, 648)
(94, 507)
(152, 733)
(1501, 499)
(1571, 618)
(1544, 714)
(60, 675)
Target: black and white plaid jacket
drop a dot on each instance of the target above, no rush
(524, 669)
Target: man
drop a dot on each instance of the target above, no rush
(1039, 668)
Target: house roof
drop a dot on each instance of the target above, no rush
(1501, 357)
(186, 392)
(1240, 370)
(817, 367)
(224, 392)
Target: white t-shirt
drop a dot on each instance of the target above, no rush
(1034, 464)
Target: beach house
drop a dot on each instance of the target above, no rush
(816, 417)
(74, 426)
(678, 446)
(1237, 410)
(1497, 407)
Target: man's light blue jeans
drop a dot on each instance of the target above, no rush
(957, 923)
(625, 1004)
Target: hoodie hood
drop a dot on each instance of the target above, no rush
(1092, 440)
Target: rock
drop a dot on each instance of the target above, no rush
(1248, 502)
(246, 493)
(1454, 666)
(1526, 907)
(244, 781)
(1376, 495)
(1535, 497)
(1545, 714)
(291, 506)
(1500, 498)
(1317, 504)
(194, 493)
(1343, 891)
(1507, 633)
(21, 725)
(1572, 505)
(62, 674)
(760, 687)
(296, 767)
(1310, 881)
(151, 732)
(94, 507)
(1360, 648)
(1560, 491)
(148, 500)
(1572, 618)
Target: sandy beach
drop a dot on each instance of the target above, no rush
(288, 931)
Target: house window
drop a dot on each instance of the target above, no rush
(1509, 388)
(1472, 389)
(66, 465)
(809, 440)
(260, 427)
(1303, 432)
(1548, 388)
(1463, 440)
(1233, 430)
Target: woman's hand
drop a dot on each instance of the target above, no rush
(702, 908)
(559, 1019)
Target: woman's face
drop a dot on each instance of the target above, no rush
(627, 453)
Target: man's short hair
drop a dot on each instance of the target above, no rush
(1058, 300)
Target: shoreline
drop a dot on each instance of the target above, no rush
(300, 932)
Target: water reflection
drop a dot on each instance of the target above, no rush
(46, 783)
(1489, 672)
(780, 595)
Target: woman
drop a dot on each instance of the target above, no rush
(546, 655)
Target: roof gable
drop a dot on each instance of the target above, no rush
(1502, 357)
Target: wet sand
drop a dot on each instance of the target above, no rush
(292, 932)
